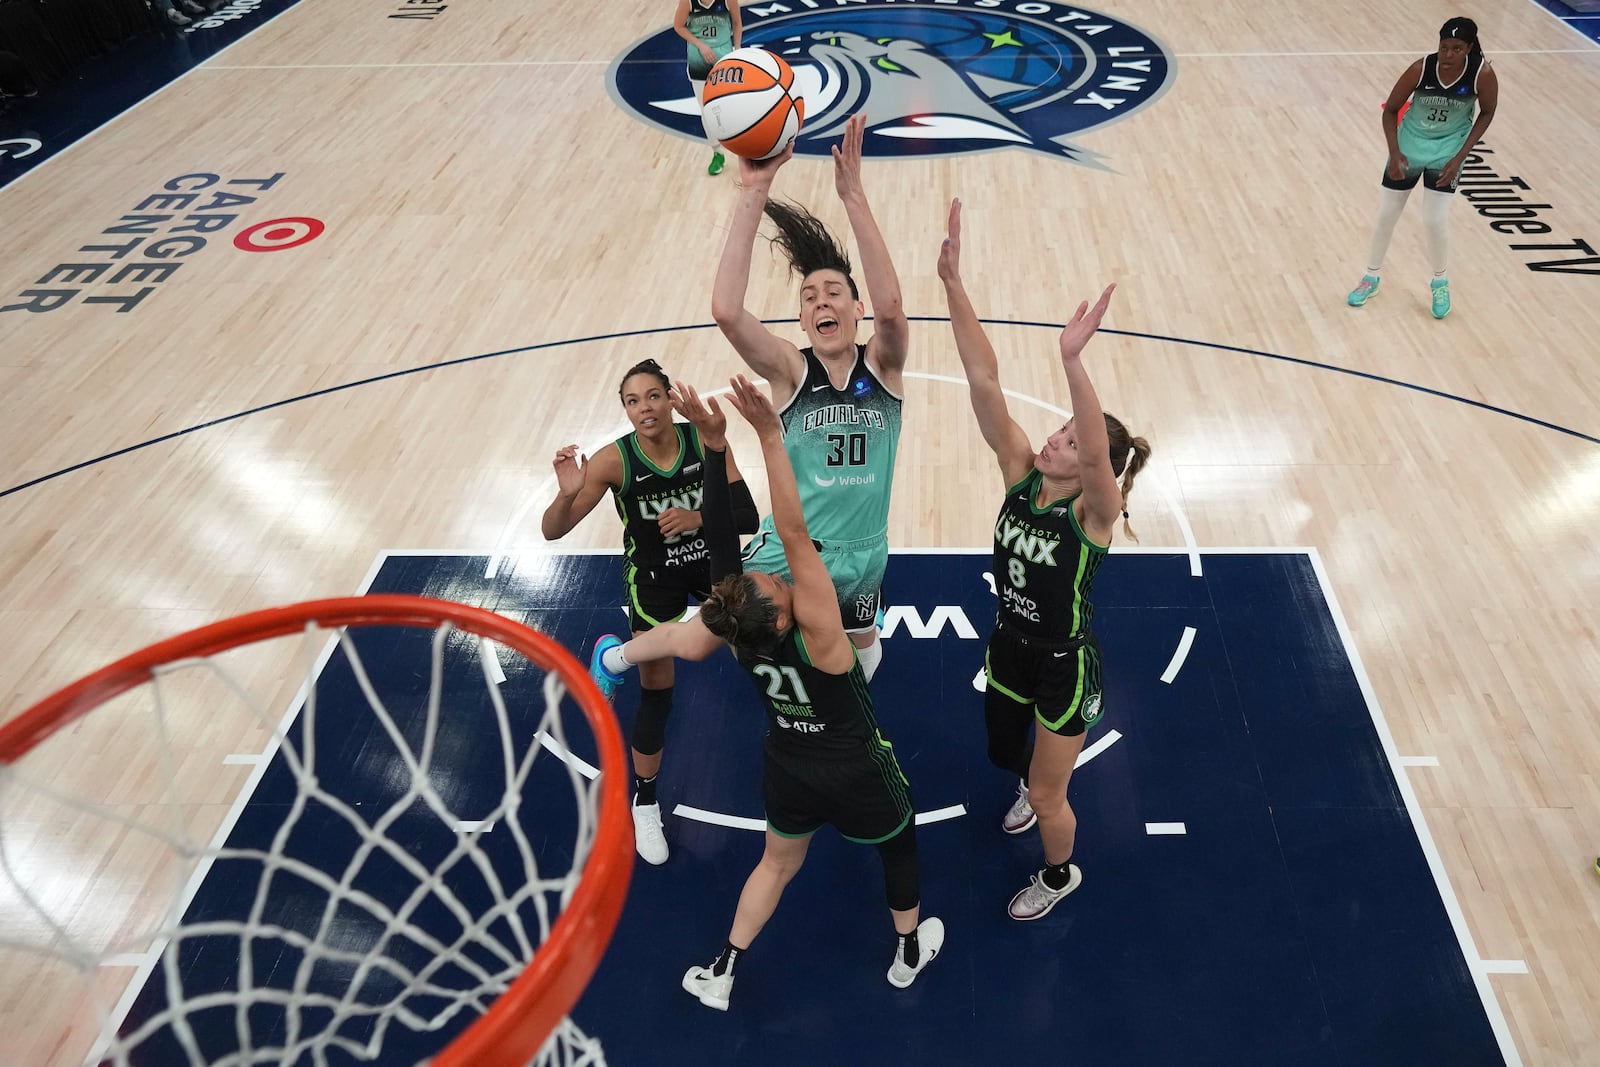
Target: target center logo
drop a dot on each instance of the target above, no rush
(275, 235)
(965, 76)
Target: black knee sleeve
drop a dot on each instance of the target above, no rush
(901, 879)
(1010, 729)
(650, 724)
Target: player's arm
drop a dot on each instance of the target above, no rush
(763, 351)
(1102, 496)
(746, 516)
(689, 640)
(579, 486)
(1005, 438)
(816, 605)
(891, 332)
(1401, 92)
(1488, 101)
(738, 23)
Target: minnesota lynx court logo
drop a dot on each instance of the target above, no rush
(935, 77)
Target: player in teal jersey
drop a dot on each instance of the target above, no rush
(712, 30)
(656, 476)
(1429, 145)
(1054, 530)
(825, 760)
(840, 400)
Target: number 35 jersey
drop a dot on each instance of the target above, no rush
(1436, 124)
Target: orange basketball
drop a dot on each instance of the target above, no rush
(750, 103)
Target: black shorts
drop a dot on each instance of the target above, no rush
(1059, 680)
(865, 797)
(1427, 175)
(658, 595)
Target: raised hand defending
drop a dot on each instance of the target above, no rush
(1085, 321)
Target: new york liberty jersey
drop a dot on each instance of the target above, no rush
(842, 444)
(1436, 125)
(1044, 565)
(647, 491)
(712, 25)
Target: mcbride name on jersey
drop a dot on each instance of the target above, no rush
(1044, 565)
(812, 712)
(647, 492)
(842, 443)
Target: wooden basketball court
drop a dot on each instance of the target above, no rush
(260, 425)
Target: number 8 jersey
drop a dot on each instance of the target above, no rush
(1044, 566)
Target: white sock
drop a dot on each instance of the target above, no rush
(870, 657)
(614, 660)
(1436, 221)
(1390, 203)
(699, 94)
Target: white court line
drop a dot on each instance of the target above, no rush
(1158, 828)
(1179, 655)
(243, 758)
(1419, 761)
(1551, 14)
(1111, 738)
(1447, 895)
(1411, 53)
(716, 818)
(1504, 966)
(739, 822)
(954, 811)
(560, 752)
(127, 959)
(467, 826)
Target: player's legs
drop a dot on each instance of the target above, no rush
(757, 901)
(1391, 201)
(697, 83)
(1436, 224)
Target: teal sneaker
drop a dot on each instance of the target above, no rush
(1441, 297)
(1363, 292)
(605, 679)
(717, 161)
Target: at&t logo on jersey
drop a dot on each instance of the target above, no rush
(935, 77)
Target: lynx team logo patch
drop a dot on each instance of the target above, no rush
(935, 77)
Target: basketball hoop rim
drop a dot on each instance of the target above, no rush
(516, 1025)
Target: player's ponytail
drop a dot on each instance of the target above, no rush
(1129, 454)
(807, 244)
(737, 612)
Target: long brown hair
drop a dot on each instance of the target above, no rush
(739, 613)
(1129, 454)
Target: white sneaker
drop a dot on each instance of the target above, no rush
(1020, 818)
(930, 939)
(711, 989)
(648, 836)
(1037, 899)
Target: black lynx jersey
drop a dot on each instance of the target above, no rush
(1044, 566)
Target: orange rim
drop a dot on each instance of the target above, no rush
(517, 1024)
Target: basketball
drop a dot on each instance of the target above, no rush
(751, 105)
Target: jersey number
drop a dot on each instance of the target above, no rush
(848, 449)
(1437, 114)
(1016, 572)
(775, 677)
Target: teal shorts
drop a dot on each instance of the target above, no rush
(856, 568)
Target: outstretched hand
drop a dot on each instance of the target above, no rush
(705, 415)
(847, 158)
(756, 408)
(1085, 321)
(950, 251)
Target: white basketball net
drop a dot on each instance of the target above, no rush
(109, 827)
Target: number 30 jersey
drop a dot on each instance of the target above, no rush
(1044, 565)
(842, 443)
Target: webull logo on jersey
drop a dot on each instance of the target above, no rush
(935, 77)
